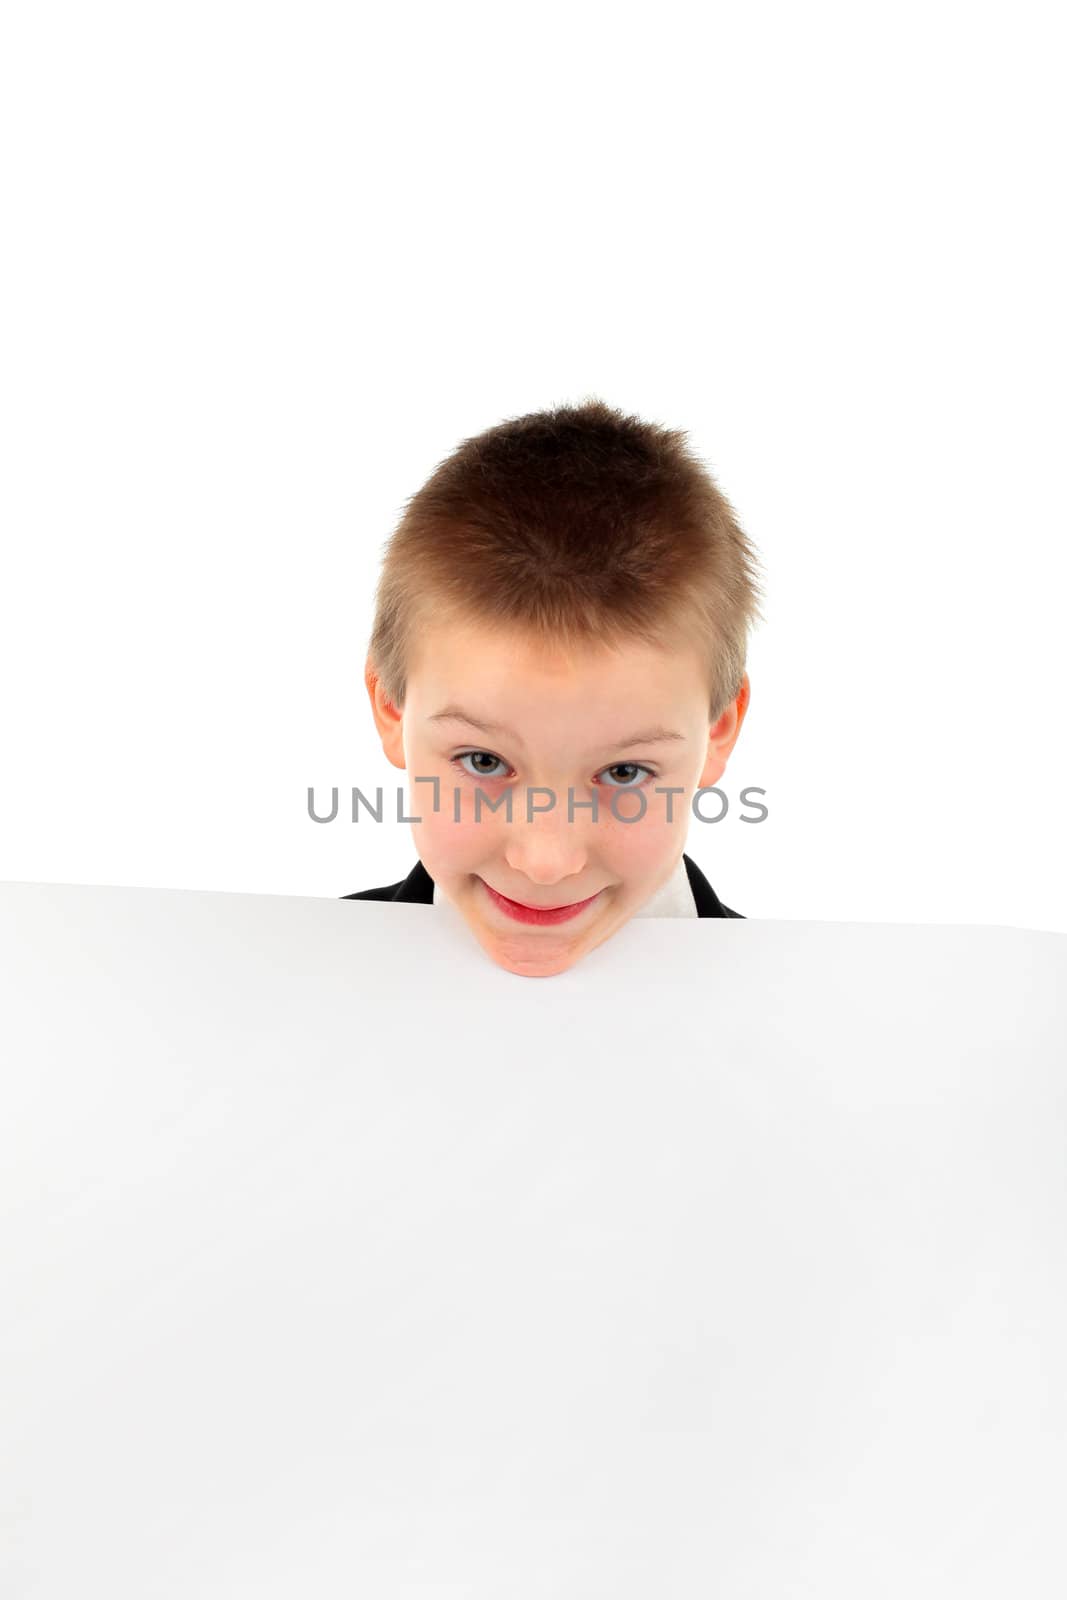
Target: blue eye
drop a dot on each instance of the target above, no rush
(469, 755)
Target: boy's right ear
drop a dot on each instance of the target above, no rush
(388, 720)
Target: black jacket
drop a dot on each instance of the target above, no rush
(417, 889)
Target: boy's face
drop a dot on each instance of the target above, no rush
(564, 721)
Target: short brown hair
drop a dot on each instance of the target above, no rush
(577, 526)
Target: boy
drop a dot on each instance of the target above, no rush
(572, 588)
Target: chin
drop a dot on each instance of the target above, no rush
(537, 953)
(532, 964)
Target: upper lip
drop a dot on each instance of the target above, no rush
(528, 907)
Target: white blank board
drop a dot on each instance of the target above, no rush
(337, 1261)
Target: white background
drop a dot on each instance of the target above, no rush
(263, 267)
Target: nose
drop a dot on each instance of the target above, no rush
(548, 848)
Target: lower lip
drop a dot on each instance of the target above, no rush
(544, 919)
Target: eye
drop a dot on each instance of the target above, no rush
(627, 766)
(471, 755)
(487, 755)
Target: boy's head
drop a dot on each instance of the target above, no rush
(564, 607)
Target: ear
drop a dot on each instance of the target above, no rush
(388, 720)
(722, 736)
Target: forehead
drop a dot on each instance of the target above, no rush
(515, 682)
(461, 650)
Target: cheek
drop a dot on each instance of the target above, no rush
(641, 847)
(453, 847)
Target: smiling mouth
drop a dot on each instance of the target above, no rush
(521, 911)
(526, 906)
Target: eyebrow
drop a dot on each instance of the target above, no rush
(643, 736)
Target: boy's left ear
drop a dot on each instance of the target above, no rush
(722, 736)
